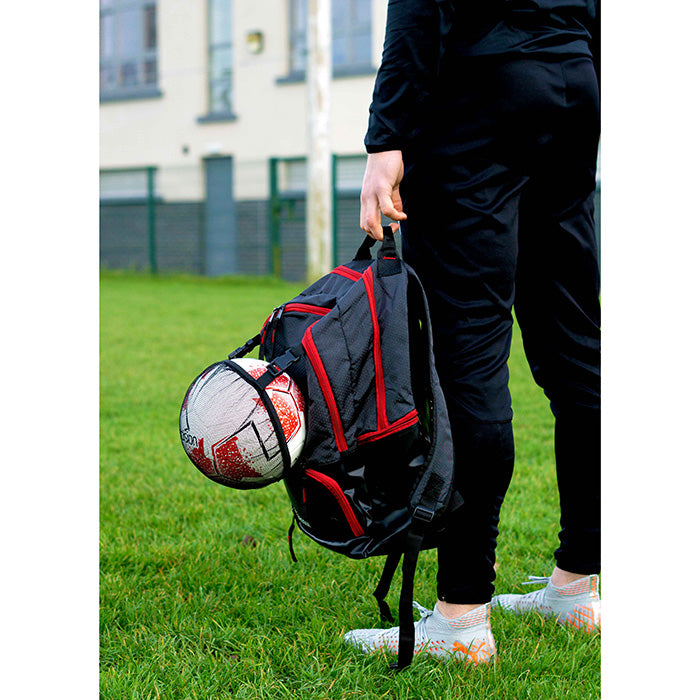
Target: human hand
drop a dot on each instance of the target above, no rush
(380, 192)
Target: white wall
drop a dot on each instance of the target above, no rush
(271, 117)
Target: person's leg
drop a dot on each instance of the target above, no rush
(558, 309)
(557, 306)
(460, 237)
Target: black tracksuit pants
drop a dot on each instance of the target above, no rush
(499, 197)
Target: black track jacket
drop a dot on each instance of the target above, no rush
(419, 34)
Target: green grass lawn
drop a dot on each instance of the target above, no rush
(199, 598)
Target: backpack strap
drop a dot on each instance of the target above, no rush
(382, 589)
(363, 252)
(246, 347)
(407, 631)
(280, 364)
(269, 407)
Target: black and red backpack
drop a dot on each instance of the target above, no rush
(376, 471)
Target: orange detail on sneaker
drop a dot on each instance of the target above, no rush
(477, 653)
(466, 638)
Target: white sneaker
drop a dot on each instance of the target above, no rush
(467, 638)
(577, 604)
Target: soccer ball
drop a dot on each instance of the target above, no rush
(227, 431)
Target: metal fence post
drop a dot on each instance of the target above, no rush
(151, 211)
(334, 209)
(274, 221)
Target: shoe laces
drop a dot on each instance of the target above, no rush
(425, 614)
(536, 599)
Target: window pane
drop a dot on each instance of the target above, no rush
(108, 77)
(362, 49)
(220, 63)
(106, 35)
(130, 42)
(299, 13)
(362, 10)
(298, 57)
(220, 79)
(106, 3)
(352, 28)
(149, 27)
(341, 13)
(220, 94)
(340, 51)
(350, 172)
(129, 73)
(150, 72)
(123, 184)
(220, 22)
(294, 176)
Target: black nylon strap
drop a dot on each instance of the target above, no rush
(272, 412)
(407, 630)
(388, 261)
(290, 533)
(382, 589)
(363, 252)
(388, 249)
(246, 347)
(280, 364)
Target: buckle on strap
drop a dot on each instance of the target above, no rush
(245, 348)
(283, 362)
(425, 515)
(277, 366)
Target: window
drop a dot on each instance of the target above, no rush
(352, 36)
(128, 49)
(127, 184)
(220, 58)
(348, 174)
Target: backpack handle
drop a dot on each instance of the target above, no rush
(363, 252)
(388, 249)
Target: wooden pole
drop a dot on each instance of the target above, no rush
(318, 87)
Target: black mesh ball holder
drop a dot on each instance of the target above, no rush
(258, 387)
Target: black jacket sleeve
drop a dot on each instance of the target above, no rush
(410, 60)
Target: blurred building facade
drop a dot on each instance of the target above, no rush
(203, 132)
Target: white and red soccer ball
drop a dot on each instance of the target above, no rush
(226, 429)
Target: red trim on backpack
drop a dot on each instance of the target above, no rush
(263, 330)
(307, 309)
(326, 389)
(411, 418)
(348, 272)
(341, 499)
(382, 420)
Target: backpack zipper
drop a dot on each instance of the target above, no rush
(340, 498)
(411, 418)
(273, 319)
(307, 308)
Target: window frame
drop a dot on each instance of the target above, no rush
(214, 115)
(295, 35)
(120, 58)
